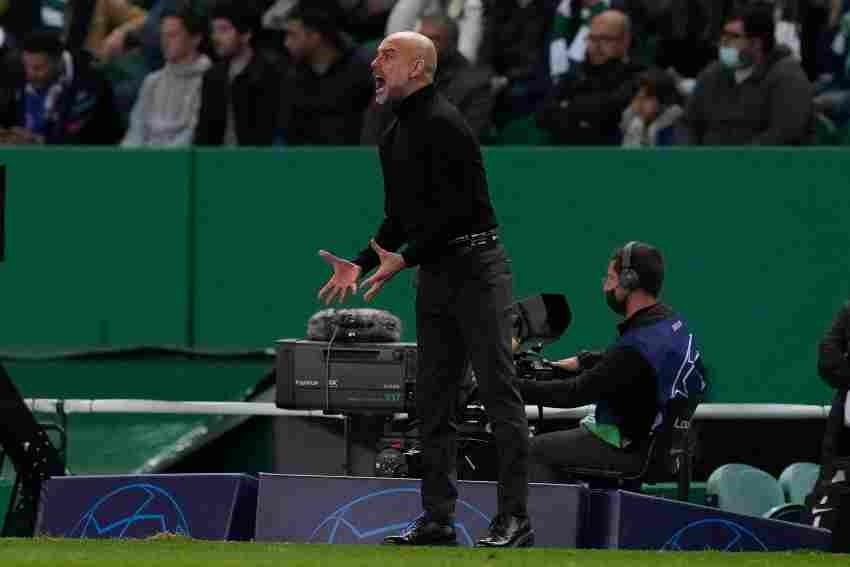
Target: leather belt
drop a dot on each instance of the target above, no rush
(475, 239)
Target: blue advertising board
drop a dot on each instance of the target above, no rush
(619, 519)
(203, 506)
(320, 509)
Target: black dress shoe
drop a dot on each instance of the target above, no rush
(508, 531)
(424, 531)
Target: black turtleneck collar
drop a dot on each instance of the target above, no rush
(415, 101)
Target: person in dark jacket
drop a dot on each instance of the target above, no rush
(513, 46)
(328, 87)
(467, 86)
(655, 361)
(63, 100)
(834, 369)
(240, 95)
(585, 107)
(756, 94)
(19, 19)
(437, 205)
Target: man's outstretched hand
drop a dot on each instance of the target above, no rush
(391, 264)
(343, 279)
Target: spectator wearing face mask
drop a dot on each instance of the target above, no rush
(756, 94)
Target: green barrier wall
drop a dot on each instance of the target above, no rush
(103, 247)
(96, 249)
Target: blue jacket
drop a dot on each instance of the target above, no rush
(655, 359)
(85, 112)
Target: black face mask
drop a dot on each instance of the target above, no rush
(617, 306)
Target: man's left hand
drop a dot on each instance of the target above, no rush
(391, 264)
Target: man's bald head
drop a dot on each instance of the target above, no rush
(416, 46)
(406, 61)
(614, 21)
(609, 38)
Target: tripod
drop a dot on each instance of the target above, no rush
(28, 446)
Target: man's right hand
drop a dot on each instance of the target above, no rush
(569, 364)
(344, 278)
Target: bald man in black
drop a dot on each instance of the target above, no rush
(437, 207)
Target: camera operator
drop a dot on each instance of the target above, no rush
(654, 360)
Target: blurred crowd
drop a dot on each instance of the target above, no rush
(633, 73)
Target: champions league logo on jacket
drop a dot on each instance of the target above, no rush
(368, 519)
(133, 511)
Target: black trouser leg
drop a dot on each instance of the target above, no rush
(482, 310)
(441, 364)
(462, 315)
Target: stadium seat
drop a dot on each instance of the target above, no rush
(669, 456)
(743, 489)
(798, 480)
(787, 512)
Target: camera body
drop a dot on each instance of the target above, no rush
(399, 451)
(530, 365)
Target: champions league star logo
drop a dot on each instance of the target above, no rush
(714, 534)
(133, 511)
(356, 522)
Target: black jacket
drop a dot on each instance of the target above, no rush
(514, 38)
(326, 109)
(435, 187)
(462, 83)
(21, 18)
(834, 369)
(256, 102)
(622, 376)
(772, 107)
(585, 108)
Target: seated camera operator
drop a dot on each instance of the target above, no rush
(654, 361)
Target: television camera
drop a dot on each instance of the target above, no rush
(379, 378)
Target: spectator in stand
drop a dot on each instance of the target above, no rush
(64, 100)
(101, 26)
(569, 33)
(757, 93)
(18, 18)
(833, 88)
(328, 88)
(652, 118)
(11, 79)
(585, 108)
(514, 47)
(166, 111)
(468, 14)
(681, 33)
(364, 20)
(240, 95)
(464, 84)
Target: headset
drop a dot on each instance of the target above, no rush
(629, 278)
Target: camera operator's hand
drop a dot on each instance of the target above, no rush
(569, 364)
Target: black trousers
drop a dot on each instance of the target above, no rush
(552, 453)
(462, 317)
